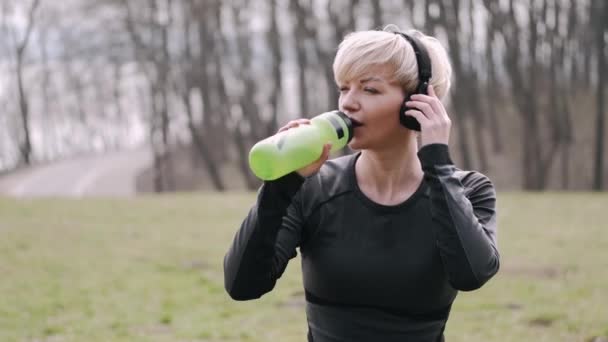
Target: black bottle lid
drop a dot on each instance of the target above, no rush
(348, 122)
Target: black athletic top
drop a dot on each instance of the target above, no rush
(371, 272)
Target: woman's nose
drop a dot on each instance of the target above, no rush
(348, 103)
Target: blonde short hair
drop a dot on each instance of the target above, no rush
(360, 51)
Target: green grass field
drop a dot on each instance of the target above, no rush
(150, 269)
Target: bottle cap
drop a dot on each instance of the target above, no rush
(349, 124)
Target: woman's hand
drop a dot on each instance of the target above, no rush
(434, 121)
(316, 165)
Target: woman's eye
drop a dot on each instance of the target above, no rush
(371, 90)
(342, 89)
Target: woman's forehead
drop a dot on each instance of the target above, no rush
(377, 73)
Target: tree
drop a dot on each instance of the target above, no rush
(21, 45)
(196, 83)
(600, 9)
(153, 56)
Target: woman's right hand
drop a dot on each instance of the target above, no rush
(315, 166)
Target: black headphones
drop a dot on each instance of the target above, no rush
(424, 75)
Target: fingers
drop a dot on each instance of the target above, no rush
(294, 124)
(422, 119)
(325, 155)
(431, 91)
(433, 106)
(315, 166)
(423, 107)
(326, 151)
(434, 121)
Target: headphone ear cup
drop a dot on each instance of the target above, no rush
(423, 88)
(407, 120)
(403, 108)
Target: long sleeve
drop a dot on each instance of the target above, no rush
(266, 240)
(463, 204)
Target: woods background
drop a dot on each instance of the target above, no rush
(201, 81)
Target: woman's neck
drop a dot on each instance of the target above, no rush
(392, 174)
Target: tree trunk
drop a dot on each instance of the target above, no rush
(121, 119)
(48, 120)
(300, 57)
(448, 17)
(479, 118)
(156, 139)
(521, 90)
(601, 11)
(274, 39)
(250, 111)
(493, 97)
(479, 126)
(377, 14)
(241, 145)
(147, 55)
(560, 106)
(217, 109)
(25, 147)
(201, 145)
(531, 119)
(194, 79)
(207, 79)
(163, 72)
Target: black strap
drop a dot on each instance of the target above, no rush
(422, 59)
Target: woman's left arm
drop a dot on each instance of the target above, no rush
(462, 203)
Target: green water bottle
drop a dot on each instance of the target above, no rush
(295, 148)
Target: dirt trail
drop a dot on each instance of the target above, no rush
(109, 174)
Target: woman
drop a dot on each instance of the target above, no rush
(389, 234)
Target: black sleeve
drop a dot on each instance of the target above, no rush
(465, 210)
(266, 240)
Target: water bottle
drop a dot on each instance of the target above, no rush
(295, 148)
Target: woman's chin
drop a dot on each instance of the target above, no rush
(356, 143)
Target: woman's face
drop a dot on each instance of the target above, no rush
(373, 101)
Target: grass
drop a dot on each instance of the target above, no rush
(150, 269)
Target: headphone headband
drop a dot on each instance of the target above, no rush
(424, 75)
(422, 59)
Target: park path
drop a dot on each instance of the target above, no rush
(112, 174)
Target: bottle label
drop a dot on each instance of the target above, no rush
(337, 126)
(280, 142)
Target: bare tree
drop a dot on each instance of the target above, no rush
(195, 83)
(601, 29)
(493, 91)
(377, 14)
(274, 41)
(562, 134)
(300, 37)
(154, 60)
(21, 45)
(218, 69)
(450, 21)
(250, 128)
(215, 105)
